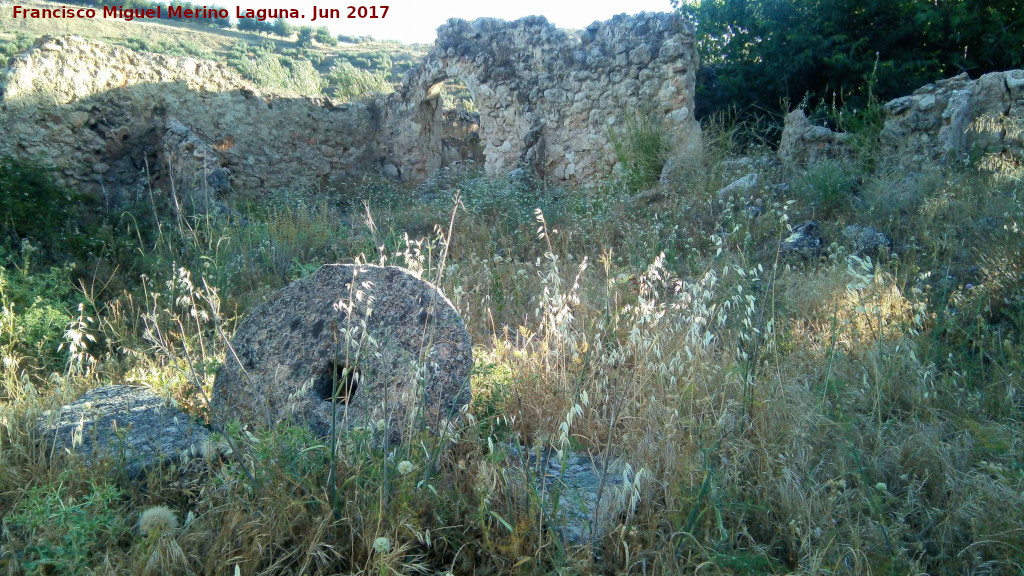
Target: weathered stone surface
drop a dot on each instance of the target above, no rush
(947, 122)
(866, 240)
(546, 99)
(109, 105)
(573, 493)
(804, 143)
(192, 163)
(740, 186)
(398, 333)
(805, 240)
(460, 138)
(112, 421)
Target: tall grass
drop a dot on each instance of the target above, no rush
(642, 146)
(841, 415)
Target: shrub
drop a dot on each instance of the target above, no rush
(642, 147)
(305, 37)
(35, 310)
(11, 48)
(350, 83)
(323, 36)
(33, 206)
(305, 79)
(68, 532)
(283, 29)
(828, 187)
(273, 72)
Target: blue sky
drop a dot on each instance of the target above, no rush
(415, 20)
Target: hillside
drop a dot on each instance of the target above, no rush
(387, 58)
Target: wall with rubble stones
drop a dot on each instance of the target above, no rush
(101, 114)
(951, 122)
(547, 99)
(114, 121)
(957, 120)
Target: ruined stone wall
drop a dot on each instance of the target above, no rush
(546, 99)
(952, 120)
(804, 143)
(101, 114)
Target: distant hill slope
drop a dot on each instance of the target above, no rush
(373, 64)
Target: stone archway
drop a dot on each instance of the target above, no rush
(447, 133)
(546, 99)
(460, 125)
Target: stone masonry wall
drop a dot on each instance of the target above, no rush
(547, 100)
(949, 121)
(113, 121)
(100, 113)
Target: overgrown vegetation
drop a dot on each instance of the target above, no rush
(844, 414)
(642, 147)
(276, 73)
(757, 55)
(176, 47)
(11, 48)
(350, 83)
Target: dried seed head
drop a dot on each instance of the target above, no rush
(157, 520)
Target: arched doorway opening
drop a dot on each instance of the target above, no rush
(459, 122)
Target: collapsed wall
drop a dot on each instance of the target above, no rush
(104, 116)
(547, 99)
(944, 124)
(114, 121)
(952, 120)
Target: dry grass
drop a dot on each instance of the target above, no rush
(839, 416)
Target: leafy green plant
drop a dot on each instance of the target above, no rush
(173, 47)
(33, 205)
(66, 532)
(35, 311)
(642, 147)
(827, 188)
(11, 48)
(273, 72)
(755, 54)
(350, 83)
(323, 36)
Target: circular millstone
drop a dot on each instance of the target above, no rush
(383, 347)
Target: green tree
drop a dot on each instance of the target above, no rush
(248, 25)
(323, 36)
(283, 28)
(221, 22)
(757, 53)
(306, 37)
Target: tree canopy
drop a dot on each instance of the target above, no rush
(757, 54)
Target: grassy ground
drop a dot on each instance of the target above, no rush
(839, 415)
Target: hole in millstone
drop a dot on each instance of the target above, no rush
(337, 381)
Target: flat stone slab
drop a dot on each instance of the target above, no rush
(571, 488)
(114, 421)
(388, 347)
